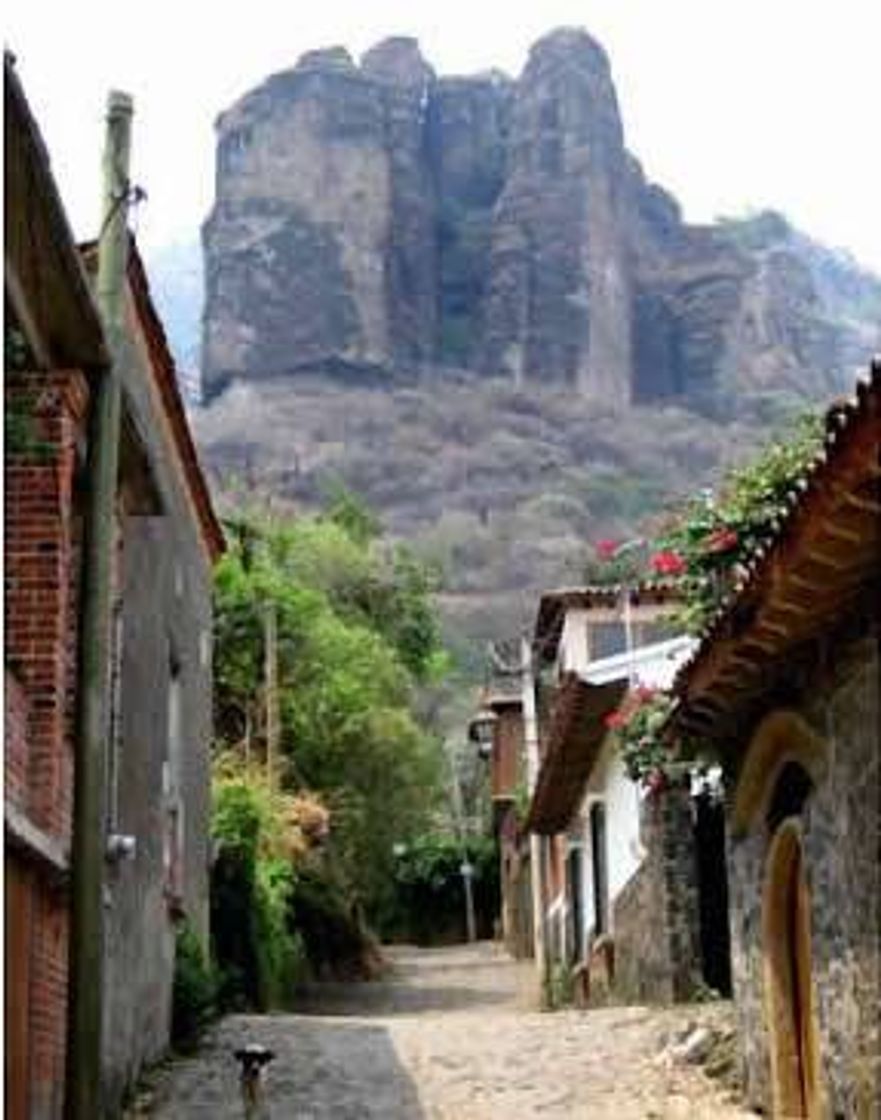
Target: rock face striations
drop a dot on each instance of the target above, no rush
(379, 221)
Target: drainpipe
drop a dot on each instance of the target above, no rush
(86, 988)
(537, 843)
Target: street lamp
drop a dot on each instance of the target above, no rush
(481, 730)
(466, 870)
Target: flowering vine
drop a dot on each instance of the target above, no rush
(711, 539)
(637, 725)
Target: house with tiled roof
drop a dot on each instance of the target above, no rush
(784, 690)
(626, 872)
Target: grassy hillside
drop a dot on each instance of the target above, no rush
(504, 489)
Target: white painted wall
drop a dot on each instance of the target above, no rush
(572, 655)
(610, 785)
(655, 666)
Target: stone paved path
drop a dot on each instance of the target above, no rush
(449, 1035)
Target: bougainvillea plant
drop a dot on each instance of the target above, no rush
(638, 726)
(616, 563)
(714, 536)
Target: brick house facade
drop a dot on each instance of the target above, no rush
(40, 554)
(55, 350)
(633, 881)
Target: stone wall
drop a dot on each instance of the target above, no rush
(840, 821)
(655, 920)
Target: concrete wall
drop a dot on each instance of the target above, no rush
(166, 629)
(841, 824)
(654, 666)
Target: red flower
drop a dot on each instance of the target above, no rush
(645, 693)
(667, 563)
(606, 549)
(656, 782)
(615, 720)
(722, 540)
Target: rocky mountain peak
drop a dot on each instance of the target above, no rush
(388, 222)
(567, 46)
(327, 59)
(399, 60)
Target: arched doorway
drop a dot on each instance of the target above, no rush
(786, 931)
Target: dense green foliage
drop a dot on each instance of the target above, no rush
(428, 901)
(259, 845)
(194, 991)
(356, 640)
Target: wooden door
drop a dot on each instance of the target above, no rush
(17, 961)
(789, 986)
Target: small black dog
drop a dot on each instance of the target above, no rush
(253, 1058)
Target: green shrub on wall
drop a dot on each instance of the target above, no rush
(259, 844)
(194, 991)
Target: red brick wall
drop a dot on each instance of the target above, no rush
(15, 755)
(48, 1000)
(39, 553)
(41, 583)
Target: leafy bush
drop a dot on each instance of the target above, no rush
(194, 990)
(559, 987)
(261, 840)
(336, 944)
(356, 632)
(279, 946)
(638, 728)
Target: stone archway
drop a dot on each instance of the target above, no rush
(782, 737)
(789, 996)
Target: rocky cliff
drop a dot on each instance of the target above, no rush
(379, 221)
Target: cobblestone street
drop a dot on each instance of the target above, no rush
(449, 1035)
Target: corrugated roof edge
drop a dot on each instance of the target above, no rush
(552, 602)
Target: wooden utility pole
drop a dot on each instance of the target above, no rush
(270, 624)
(537, 844)
(83, 1101)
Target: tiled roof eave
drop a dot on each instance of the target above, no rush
(574, 737)
(825, 549)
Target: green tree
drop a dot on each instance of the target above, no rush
(357, 633)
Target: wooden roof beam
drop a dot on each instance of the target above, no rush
(825, 559)
(789, 606)
(774, 627)
(838, 532)
(856, 501)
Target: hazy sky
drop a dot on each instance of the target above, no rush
(730, 104)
